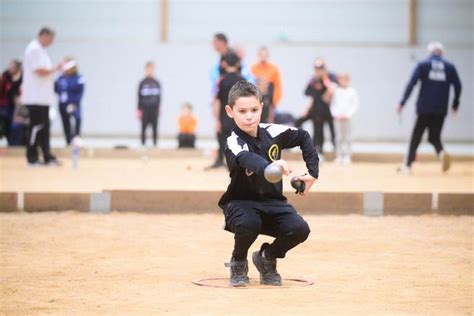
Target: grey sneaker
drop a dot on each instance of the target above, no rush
(267, 269)
(238, 272)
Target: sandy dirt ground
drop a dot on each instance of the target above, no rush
(94, 175)
(126, 263)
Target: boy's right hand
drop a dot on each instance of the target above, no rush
(285, 168)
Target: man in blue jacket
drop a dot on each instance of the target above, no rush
(436, 75)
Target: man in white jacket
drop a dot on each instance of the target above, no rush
(344, 104)
(38, 95)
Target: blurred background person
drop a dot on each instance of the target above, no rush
(268, 74)
(9, 91)
(38, 94)
(149, 99)
(267, 92)
(21, 121)
(223, 123)
(221, 46)
(436, 75)
(344, 105)
(70, 88)
(187, 123)
(244, 68)
(318, 111)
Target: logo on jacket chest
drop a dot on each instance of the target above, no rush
(274, 152)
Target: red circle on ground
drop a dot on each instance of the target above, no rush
(254, 283)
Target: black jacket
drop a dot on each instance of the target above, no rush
(247, 158)
(149, 93)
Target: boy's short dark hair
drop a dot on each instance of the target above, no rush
(231, 59)
(221, 37)
(46, 31)
(149, 63)
(243, 89)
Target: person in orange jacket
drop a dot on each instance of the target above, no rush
(187, 123)
(264, 71)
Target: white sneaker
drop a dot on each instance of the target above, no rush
(445, 161)
(338, 160)
(404, 169)
(346, 160)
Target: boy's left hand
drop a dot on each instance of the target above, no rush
(308, 180)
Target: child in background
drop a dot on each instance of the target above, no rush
(187, 123)
(70, 88)
(224, 124)
(10, 83)
(149, 100)
(344, 104)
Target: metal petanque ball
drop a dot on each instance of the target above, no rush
(273, 173)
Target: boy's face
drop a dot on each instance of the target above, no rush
(246, 113)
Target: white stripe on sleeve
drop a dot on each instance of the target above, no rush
(234, 146)
(276, 129)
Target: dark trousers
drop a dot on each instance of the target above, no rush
(38, 132)
(6, 120)
(150, 117)
(19, 134)
(434, 122)
(186, 140)
(66, 117)
(248, 219)
(318, 119)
